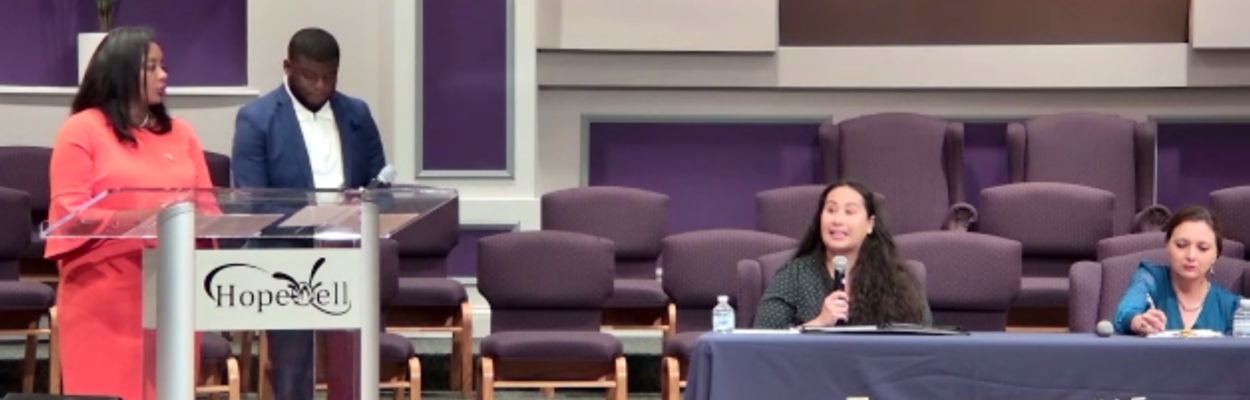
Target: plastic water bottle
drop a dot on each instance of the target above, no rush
(1241, 320)
(723, 316)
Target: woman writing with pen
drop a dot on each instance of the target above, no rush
(1179, 296)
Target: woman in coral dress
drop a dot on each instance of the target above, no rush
(119, 135)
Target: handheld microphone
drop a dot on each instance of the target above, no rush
(1104, 328)
(384, 178)
(839, 273)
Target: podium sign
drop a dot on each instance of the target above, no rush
(263, 289)
(197, 276)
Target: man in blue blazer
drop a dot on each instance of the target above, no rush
(304, 135)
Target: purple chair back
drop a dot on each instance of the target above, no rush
(1098, 286)
(635, 220)
(700, 265)
(916, 160)
(26, 169)
(545, 280)
(1231, 206)
(788, 211)
(972, 278)
(218, 168)
(1100, 151)
(1138, 242)
(14, 230)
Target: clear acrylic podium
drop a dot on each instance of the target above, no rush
(200, 274)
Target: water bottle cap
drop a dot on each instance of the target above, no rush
(722, 298)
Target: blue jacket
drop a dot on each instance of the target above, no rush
(269, 150)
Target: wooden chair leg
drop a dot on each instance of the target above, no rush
(233, 379)
(549, 392)
(621, 391)
(245, 339)
(486, 382)
(462, 351)
(670, 379)
(54, 354)
(264, 387)
(414, 378)
(30, 363)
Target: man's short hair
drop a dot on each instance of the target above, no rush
(314, 44)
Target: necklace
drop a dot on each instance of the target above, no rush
(1192, 309)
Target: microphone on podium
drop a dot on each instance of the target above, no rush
(384, 178)
(1104, 328)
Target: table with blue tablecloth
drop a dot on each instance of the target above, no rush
(998, 366)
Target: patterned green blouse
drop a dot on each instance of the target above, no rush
(797, 293)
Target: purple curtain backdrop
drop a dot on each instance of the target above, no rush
(711, 171)
(462, 262)
(465, 98)
(205, 41)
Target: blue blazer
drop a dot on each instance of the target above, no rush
(1155, 280)
(269, 149)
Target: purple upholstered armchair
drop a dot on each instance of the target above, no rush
(699, 266)
(218, 168)
(1097, 286)
(426, 299)
(22, 304)
(635, 220)
(914, 160)
(26, 169)
(972, 278)
(547, 290)
(1231, 206)
(1076, 179)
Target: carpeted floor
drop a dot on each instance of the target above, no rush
(642, 355)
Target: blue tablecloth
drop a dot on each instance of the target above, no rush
(997, 366)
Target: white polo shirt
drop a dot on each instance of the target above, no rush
(321, 138)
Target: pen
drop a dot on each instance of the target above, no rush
(1150, 302)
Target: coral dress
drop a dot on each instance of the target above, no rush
(100, 297)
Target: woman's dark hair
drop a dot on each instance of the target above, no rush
(884, 290)
(1195, 214)
(115, 80)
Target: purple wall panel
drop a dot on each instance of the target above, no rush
(711, 171)
(465, 98)
(985, 158)
(1198, 158)
(462, 262)
(205, 41)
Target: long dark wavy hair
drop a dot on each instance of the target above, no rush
(884, 291)
(114, 81)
